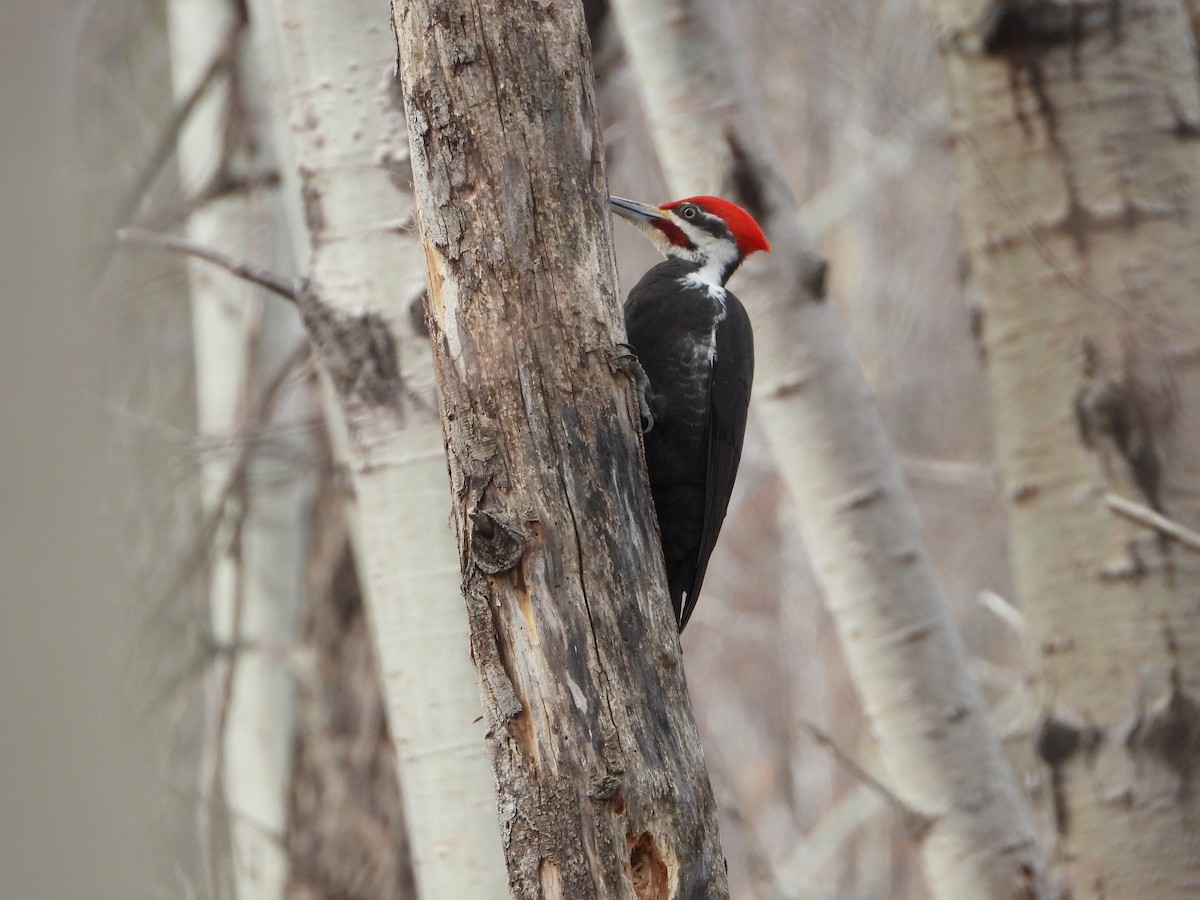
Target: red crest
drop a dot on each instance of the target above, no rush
(746, 232)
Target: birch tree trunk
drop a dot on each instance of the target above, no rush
(258, 567)
(340, 130)
(859, 524)
(1080, 177)
(603, 791)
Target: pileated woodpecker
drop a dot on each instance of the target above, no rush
(693, 340)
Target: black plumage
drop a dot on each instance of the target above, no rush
(694, 342)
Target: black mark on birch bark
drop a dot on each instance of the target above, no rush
(418, 313)
(1026, 33)
(1010, 27)
(747, 184)
(817, 278)
(1123, 413)
(396, 163)
(1185, 129)
(314, 213)
(358, 351)
(1057, 742)
(1167, 731)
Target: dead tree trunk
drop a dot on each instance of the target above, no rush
(602, 785)
(1080, 178)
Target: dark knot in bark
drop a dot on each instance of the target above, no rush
(495, 546)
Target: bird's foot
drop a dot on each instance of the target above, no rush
(628, 363)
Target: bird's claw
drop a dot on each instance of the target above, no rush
(629, 363)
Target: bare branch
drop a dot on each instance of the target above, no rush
(214, 744)
(1144, 515)
(264, 279)
(220, 64)
(1002, 610)
(916, 824)
(216, 517)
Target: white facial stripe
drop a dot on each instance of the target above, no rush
(717, 254)
(718, 257)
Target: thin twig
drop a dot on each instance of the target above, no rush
(1002, 610)
(215, 770)
(1144, 515)
(272, 282)
(916, 823)
(216, 516)
(220, 64)
(806, 862)
(251, 402)
(947, 473)
(214, 750)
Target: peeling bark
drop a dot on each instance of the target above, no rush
(602, 786)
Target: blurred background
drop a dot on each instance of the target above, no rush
(72, 781)
(106, 657)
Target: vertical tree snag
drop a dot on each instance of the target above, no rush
(860, 526)
(1080, 176)
(601, 781)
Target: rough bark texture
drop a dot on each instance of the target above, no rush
(1080, 173)
(859, 523)
(340, 132)
(602, 786)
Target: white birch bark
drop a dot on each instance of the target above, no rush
(1080, 188)
(257, 565)
(340, 132)
(859, 524)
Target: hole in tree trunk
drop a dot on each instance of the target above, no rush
(647, 871)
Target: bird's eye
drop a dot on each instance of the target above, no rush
(689, 212)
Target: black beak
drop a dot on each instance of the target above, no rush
(636, 212)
